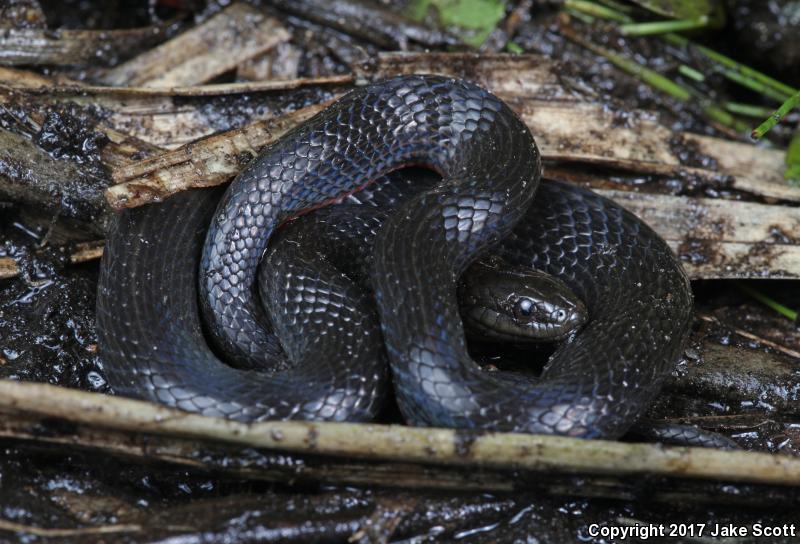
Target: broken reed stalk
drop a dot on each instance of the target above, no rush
(776, 117)
(662, 27)
(204, 163)
(213, 89)
(430, 446)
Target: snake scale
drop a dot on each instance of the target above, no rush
(318, 351)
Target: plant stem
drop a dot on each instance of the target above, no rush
(691, 73)
(596, 10)
(647, 75)
(621, 8)
(656, 80)
(722, 116)
(767, 301)
(744, 72)
(512, 47)
(662, 27)
(776, 116)
(749, 110)
(753, 84)
(733, 70)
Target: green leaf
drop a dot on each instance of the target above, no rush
(792, 172)
(511, 47)
(679, 9)
(477, 16)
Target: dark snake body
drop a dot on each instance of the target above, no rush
(636, 293)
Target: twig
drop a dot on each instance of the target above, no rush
(6, 525)
(216, 89)
(531, 453)
(749, 110)
(210, 161)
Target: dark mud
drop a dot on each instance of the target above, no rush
(55, 491)
(47, 313)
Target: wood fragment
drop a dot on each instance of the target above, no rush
(282, 62)
(274, 466)
(237, 33)
(208, 162)
(717, 238)
(93, 92)
(755, 169)
(46, 532)
(395, 443)
(31, 46)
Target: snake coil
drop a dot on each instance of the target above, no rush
(329, 362)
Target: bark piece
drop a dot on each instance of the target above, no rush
(204, 163)
(717, 238)
(232, 36)
(32, 46)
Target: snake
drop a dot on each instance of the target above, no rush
(311, 352)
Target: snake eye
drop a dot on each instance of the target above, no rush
(523, 308)
(561, 315)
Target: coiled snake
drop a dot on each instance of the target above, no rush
(152, 338)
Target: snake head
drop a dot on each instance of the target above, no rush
(513, 303)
